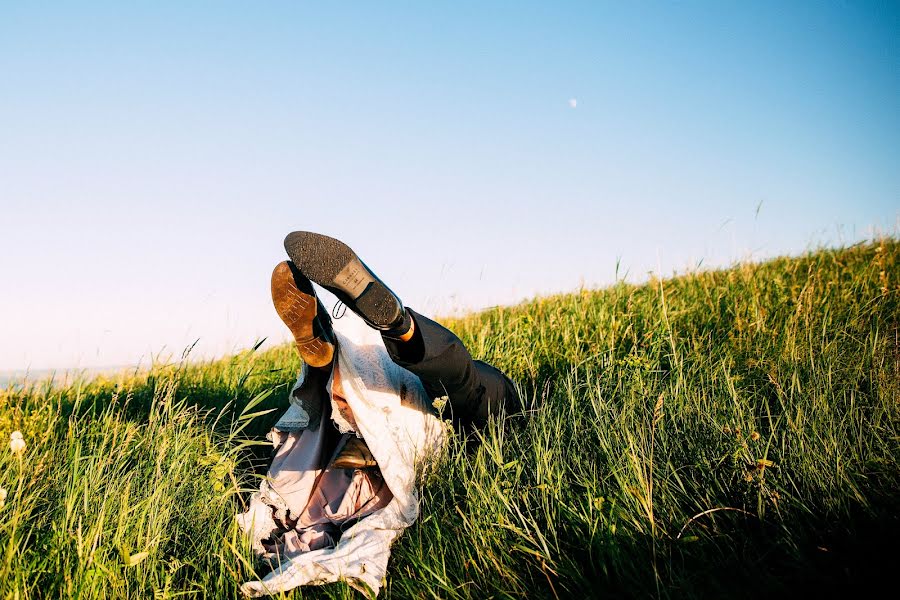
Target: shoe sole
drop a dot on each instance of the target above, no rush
(335, 266)
(298, 310)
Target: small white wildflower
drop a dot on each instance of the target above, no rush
(440, 402)
(2, 497)
(17, 443)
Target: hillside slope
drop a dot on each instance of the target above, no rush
(734, 432)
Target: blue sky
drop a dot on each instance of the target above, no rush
(153, 155)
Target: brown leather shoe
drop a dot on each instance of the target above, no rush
(296, 303)
(354, 455)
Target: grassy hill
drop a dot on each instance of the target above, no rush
(728, 433)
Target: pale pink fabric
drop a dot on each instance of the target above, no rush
(315, 502)
(307, 519)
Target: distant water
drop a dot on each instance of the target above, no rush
(59, 375)
(16, 377)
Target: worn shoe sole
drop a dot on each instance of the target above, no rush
(298, 309)
(333, 265)
(354, 455)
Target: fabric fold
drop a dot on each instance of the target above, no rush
(320, 525)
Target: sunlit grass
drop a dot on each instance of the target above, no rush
(730, 432)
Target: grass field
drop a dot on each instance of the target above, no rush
(729, 433)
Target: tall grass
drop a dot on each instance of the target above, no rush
(731, 432)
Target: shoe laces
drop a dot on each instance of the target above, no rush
(338, 310)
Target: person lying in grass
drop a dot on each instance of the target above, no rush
(337, 496)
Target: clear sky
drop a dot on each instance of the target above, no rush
(154, 154)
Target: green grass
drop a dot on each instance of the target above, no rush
(734, 432)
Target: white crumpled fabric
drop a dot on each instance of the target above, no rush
(396, 418)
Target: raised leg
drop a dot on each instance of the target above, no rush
(474, 389)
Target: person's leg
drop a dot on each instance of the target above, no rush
(475, 390)
(300, 309)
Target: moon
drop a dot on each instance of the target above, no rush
(573, 102)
